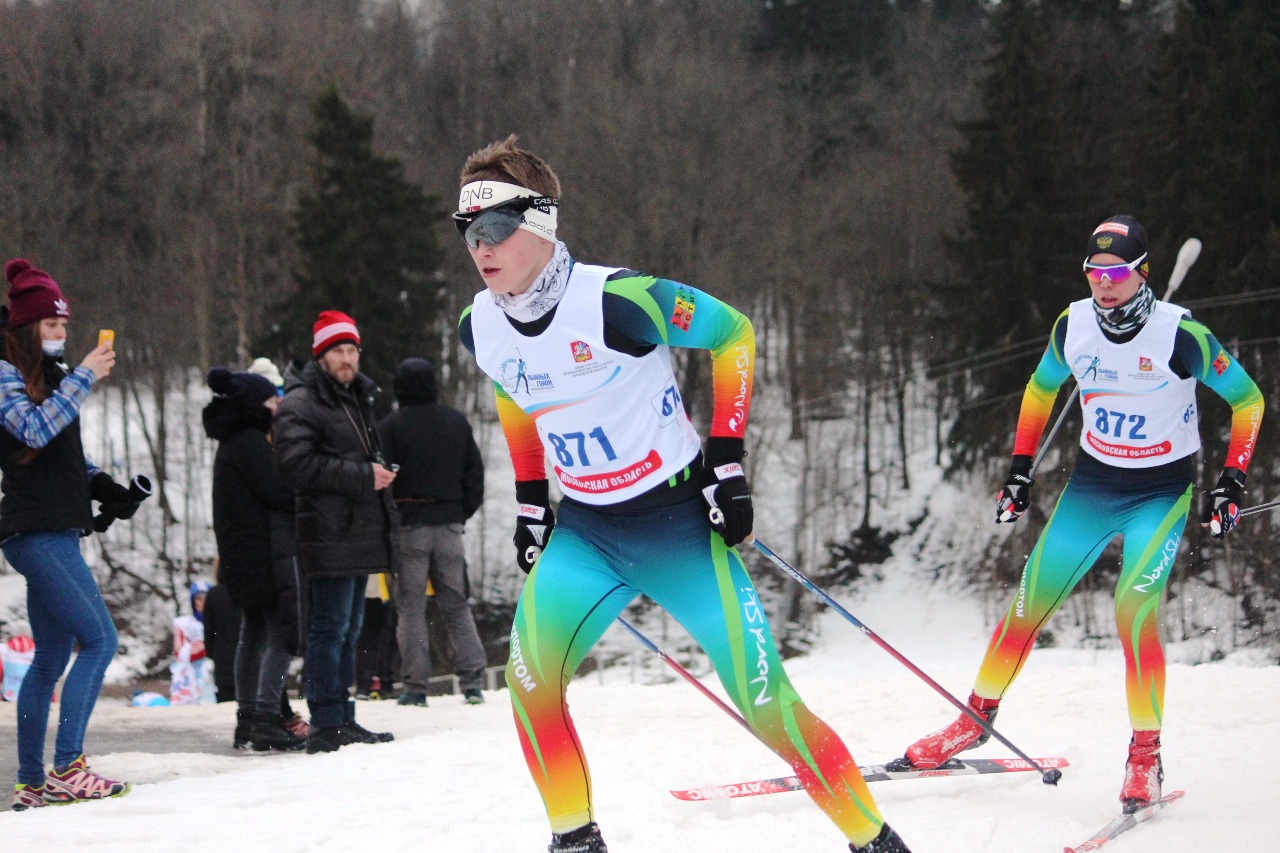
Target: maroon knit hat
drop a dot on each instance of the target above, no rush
(331, 329)
(33, 294)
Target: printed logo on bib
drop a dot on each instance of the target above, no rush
(1119, 451)
(514, 374)
(1144, 364)
(611, 480)
(1090, 367)
(581, 351)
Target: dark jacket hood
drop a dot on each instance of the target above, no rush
(415, 382)
(312, 375)
(224, 417)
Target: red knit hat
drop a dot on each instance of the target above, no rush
(331, 329)
(33, 294)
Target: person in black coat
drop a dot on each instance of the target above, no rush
(221, 639)
(439, 486)
(327, 448)
(247, 492)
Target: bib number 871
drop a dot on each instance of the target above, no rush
(1112, 423)
(567, 444)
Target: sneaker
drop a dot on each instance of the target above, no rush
(353, 732)
(27, 797)
(410, 697)
(325, 739)
(936, 749)
(1143, 772)
(584, 839)
(76, 783)
(887, 841)
(269, 733)
(473, 696)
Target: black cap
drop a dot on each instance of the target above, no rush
(1119, 235)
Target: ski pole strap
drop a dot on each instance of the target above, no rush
(1049, 777)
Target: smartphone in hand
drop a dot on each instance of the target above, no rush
(108, 337)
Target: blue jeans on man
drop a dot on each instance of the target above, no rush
(64, 607)
(337, 611)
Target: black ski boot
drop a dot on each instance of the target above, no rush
(584, 839)
(886, 842)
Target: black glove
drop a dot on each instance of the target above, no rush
(534, 522)
(724, 487)
(1015, 495)
(1222, 504)
(116, 501)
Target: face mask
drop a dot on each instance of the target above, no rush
(53, 349)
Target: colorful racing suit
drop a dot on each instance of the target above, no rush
(1121, 485)
(633, 521)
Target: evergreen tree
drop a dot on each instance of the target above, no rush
(366, 245)
(1014, 255)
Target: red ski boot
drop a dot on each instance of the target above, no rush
(1143, 772)
(936, 749)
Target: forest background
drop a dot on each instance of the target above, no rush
(897, 194)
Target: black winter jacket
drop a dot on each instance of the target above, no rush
(326, 442)
(441, 477)
(247, 491)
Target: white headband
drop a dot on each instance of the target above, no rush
(482, 195)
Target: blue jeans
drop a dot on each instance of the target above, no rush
(64, 606)
(337, 612)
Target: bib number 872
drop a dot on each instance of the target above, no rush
(567, 444)
(1112, 423)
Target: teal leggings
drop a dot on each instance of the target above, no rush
(595, 564)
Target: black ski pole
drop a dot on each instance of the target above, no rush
(1049, 777)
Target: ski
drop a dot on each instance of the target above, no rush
(872, 773)
(1124, 823)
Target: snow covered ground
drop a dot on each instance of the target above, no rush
(454, 779)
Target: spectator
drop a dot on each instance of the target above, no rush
(221, 636)
(266, 367)
(439, 486)
(327, 449)
(190, 684)
(377, 658)
(15, 659)
(252, 509)
(48, 488)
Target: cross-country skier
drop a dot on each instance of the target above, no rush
(599, 397)
(1137, 362)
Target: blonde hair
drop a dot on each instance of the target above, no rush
(505, 161)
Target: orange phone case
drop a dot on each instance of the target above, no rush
(106, 336)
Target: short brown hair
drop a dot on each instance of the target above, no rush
(505, 161)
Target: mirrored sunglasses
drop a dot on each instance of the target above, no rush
(1116, 274)
(495, 224)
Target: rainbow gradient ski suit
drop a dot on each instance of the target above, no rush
(657, 541)
(1147, 505)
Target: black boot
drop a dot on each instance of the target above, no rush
(886, 842)
(584, 839)
(268, 732)
(325, 739)
(244, 722)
